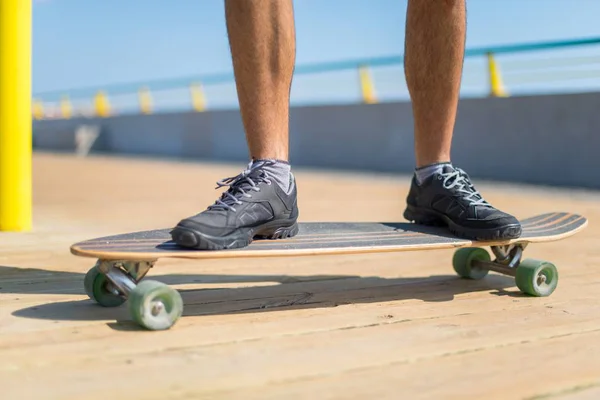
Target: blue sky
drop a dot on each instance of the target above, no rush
(82, 43)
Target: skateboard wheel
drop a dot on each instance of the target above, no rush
(96, 286)
(463, 260)
(154, 305)
(536, 278)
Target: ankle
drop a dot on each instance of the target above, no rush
(424, 172)
(425, 162)
(278, 170)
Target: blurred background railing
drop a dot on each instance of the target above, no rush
(519, 69)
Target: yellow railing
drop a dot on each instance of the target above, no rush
(495, 78)
(368, 93)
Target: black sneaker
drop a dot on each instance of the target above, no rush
(449, 198)
(254, 206)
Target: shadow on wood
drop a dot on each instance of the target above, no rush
(271, 292)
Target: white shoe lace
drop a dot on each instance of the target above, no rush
(459, 180)
(241, 185)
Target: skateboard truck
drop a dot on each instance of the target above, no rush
(152, 304)
(507, 260)
(533, 277)
(133, 271)
(509, 254)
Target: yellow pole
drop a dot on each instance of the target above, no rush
(65, 106)
(145, 98)
(38, 109)
(496, 85)
(367, 86)
(101, 104)
(15, 115)
(198, 100)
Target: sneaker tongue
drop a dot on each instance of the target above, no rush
(447, 168)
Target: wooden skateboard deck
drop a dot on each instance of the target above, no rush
(124, 260)
(316, 238)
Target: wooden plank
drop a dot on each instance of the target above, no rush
(563, 367)
(555, 336)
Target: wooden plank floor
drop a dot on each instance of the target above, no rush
(364, 326)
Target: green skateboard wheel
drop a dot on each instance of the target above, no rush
(154, 305)
(536, 278)
(463, 262)
(96, 287)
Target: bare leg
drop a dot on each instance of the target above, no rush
(434, 51)
(263, 47)
(435, 39)
(262, 200)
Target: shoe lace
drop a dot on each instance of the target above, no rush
(459, 180)
(241, 185)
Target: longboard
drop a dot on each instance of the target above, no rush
(124, 260)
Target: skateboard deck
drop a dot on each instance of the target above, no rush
(123, 260)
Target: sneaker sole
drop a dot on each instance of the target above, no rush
(433, 218)
(193, 239)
